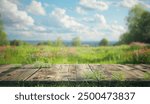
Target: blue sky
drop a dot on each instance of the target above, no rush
(91, 20)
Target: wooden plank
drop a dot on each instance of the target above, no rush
(45, 74)
(4, 68)
(9, 76)
(65, 72)
(28, 66)
(72, 73)
(18, 75)
(146, 65)
(129, 72)
(103, 71)
(27, 73)
(62, 73)
(84, 73)
(142, 68)
(125, 67)
(109, 70)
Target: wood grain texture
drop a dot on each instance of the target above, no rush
(72, 72)
(45, 74)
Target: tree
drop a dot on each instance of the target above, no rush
(143, 28)
(76, 41)
(138, 23)
(3, 35)
(18, 43)
(126, 38)
(104, 42)
(59, 42)
(3, 38)
(49, 43)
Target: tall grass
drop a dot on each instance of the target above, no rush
(74, 55)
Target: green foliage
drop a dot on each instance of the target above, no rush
(3, 35)
(95, 75)
(104, 42)
(49, 43)
(59, 42)
(138, 26)
(118, 76)
(39, 64)
(76, 41)
(3, 38)
(143, 28)
(1, 24)
(17, 43)
(126, 38)
(74, 55)
(147, 76)
(17, 66)
(140, 56)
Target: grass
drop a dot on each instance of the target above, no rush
(147, 76)
(95, 75)
(118, 76)
(75, 55)
(75, 84)
(41, 65)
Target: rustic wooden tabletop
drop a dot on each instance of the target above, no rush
(76, 72)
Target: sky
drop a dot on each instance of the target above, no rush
(91, 20)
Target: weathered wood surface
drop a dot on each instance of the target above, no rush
(66, 72)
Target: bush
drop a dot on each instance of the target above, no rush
(118, 76)
(3, 35)
(76, 41)
(59, 42)
(138, 44)
(104, 42)
(141, 56)
(3, 38)
(49, 43)
(17, 43)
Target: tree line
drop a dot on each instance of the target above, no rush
(76, 42)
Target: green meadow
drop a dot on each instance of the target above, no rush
(124, 54)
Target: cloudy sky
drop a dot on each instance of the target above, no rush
(49, 19)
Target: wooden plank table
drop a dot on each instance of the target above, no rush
(72, 72)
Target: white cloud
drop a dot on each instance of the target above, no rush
(112, 31)
(80, 10)
(147, 5)
(115, 27)
(117, 30)
(36, 8)
(12, 16)
(65, 20)
(18, 22)
(88, 28)
(15, 1)
(85, 31)
(129, 3)
(101, 20)
(94, 4)
(88, 20)
(39, 28)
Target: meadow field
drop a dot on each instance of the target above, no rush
(124, 54)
